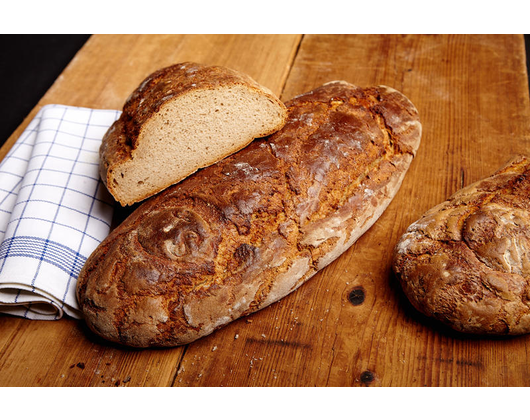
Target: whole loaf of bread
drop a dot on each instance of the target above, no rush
(243, 233)
(466, 261)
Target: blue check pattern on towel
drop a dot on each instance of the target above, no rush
(54, 210)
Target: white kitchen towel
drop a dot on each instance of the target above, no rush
(54, 210)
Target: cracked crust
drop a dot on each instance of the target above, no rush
(243, 233)
(466, 262)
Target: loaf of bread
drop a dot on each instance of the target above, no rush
(243, 233)
(466, 262)
(182, 118)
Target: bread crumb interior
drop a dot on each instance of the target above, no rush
(192, 131)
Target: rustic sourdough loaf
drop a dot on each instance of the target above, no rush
(182, 118)
(466, 262)
(243, 233)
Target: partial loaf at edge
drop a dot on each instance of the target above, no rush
(182, 118)
(466, 261)
(245, 232)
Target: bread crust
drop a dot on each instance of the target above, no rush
(243, 233)
(466, 262)
(144, 103)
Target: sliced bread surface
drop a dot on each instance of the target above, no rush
(180, 119)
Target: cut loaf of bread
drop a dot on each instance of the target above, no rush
(180, 119)
(243, 233)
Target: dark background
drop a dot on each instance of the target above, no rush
(29, 64)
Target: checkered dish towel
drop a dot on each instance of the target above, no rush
(54, 210)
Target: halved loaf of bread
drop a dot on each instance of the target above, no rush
(180, 119)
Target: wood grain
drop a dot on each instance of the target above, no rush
(472, 95)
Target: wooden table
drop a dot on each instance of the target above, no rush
(472, 95)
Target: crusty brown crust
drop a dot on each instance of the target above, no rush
(466, 262)
(144, 102)
(241, 234)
